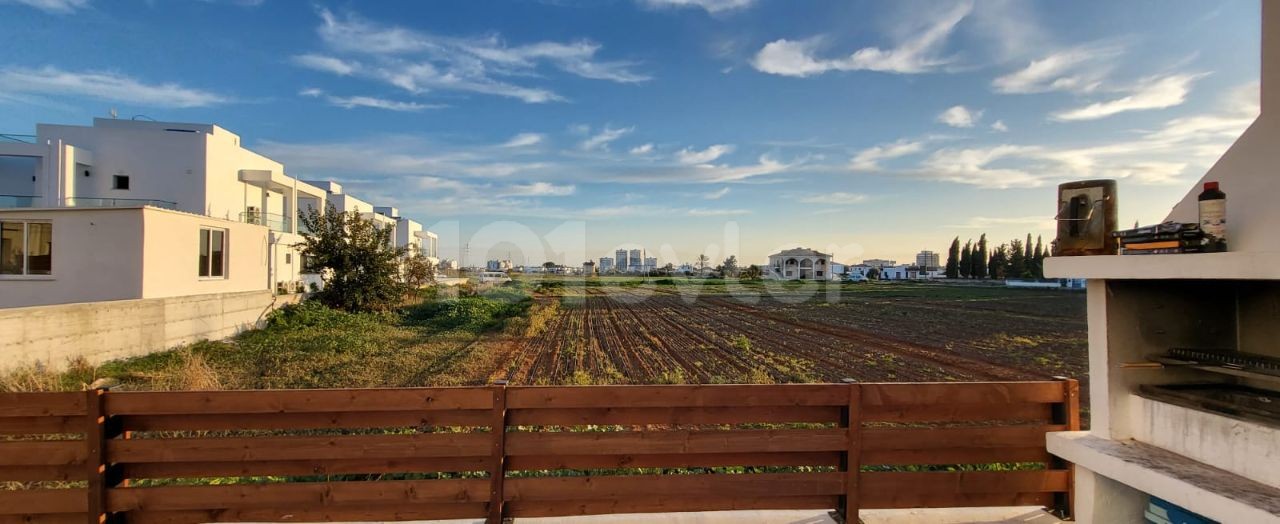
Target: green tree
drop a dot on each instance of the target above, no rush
(730, 267)
(703, 260)
(417, 271)
(953, 259)
(359, 261)
(966, 259)
(980, 258)
(1038, 257)
(873, 273)
(1017, 260)
(751, 272)
(998, 264)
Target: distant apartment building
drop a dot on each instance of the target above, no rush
(498, 265)
(127, 209)
(635, 261)
(879, 262)
(928, 259)
(620, 260)
(605, 265)
(650, 263)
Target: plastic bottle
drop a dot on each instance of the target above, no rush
(1213, 216)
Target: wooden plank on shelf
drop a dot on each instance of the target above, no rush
(672, 415)
(275, 448)
(302, 467)
(315, 495)
(318, 420)
(295, 401)
(675, 441)
(50, 404)
(670, 460)
(665, 504)
(747, 485)
(539, 397)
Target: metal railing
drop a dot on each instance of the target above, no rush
(11, 201)
(273, 221)
(119, 202)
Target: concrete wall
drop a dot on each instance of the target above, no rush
(97, 255)
(101, 331)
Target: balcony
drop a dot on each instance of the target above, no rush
(14, 201)
(120, 202)
(273, 221)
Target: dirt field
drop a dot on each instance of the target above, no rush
(886, 332)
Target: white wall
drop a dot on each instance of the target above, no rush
(172, 251)
(161, 165)
(97, 255)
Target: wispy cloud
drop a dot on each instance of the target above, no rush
(419, 62)
(710, 6)
(698, 212)
(603, 138)
(960, 116)
(693, 156)
(537, 189)
(1079, 69)
(717, 194)
(999, 126)
(869, 159)
(981, 222)
(52, 6)
(836, 198)
(109, 86)
(525, 140)
(917, 54)
(352, 102)
(1151, 93)
(642, 149)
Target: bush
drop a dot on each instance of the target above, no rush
(305, 314)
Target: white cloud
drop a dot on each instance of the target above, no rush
(960, 116)
(999, 126)
(1152, 93)
(602, 139)
(696, 212)
(710, 6)
(525, 140)
(537, 189)
(327, 64)
(352, 102)
(51, 6)
(974, 166)
(1077, 70)
(113, 87)
(869, 159)
(836, 198)
(418, 62)
(916, 54)
(642, 149)
(717, 194)
(693, 156)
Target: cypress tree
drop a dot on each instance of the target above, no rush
(980, 258)
(966, 255)
(1039, 259)
(1029, 260)
(1017, 260)
(953, 256)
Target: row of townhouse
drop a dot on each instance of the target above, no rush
(128, 209)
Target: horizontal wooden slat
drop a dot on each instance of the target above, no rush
(996, 437)
(301, 495)
(941, 393)
(947, 455)
(42, 404)
(909, 500)
(681, 460)
(535, 397)
(296, 401)
(299, 448)
(40, 501)
(34, 473)
(41, 424)
(301, 467)
(47, 518)
(960, 489)
(641, 442)
(346, 513)
(703, 485)
(564, 508)
(322, 420)
(684, 415)
(974, 411)
(42, 452)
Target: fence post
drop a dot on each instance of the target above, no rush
(95, 439)
(498, 464)
(1067, 413)
(851, 459)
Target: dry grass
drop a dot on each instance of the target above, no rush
(77, 375)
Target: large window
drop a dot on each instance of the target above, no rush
(213, 253)
(26, 248)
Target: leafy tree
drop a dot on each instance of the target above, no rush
(1029, 257)
(751, 272)
(417, 271)
(953, 259)
(730, 267)
(980, 258)
(966, 259)
(359, 261)
(703, 260)
(549, 265)
(1017, 260)
(998, 264)
(873, 273)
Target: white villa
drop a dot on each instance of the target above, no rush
(799, 264)
(128, 209)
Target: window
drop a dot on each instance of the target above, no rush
(213, 253)
(26, 248)
(120, 182)
(288, 258)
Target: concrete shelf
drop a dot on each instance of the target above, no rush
(1215, 493)
(1193, 266)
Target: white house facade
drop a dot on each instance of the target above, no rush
(799, 264)
(85, 210)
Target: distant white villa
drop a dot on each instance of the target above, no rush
(799, 264)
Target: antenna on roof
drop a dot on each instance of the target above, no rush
(113, 113)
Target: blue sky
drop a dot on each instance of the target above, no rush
(874, 129)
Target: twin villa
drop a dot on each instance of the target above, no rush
(129, 209)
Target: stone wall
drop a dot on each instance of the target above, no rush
(101, 331)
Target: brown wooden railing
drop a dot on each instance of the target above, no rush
(429, 453)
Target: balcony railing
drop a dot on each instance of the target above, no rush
(10, 201)
(273, 221)
(22, 139)
(119, 202)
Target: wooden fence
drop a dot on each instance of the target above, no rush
(495, 452)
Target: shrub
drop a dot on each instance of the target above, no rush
(742, 343)
(305, 314)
